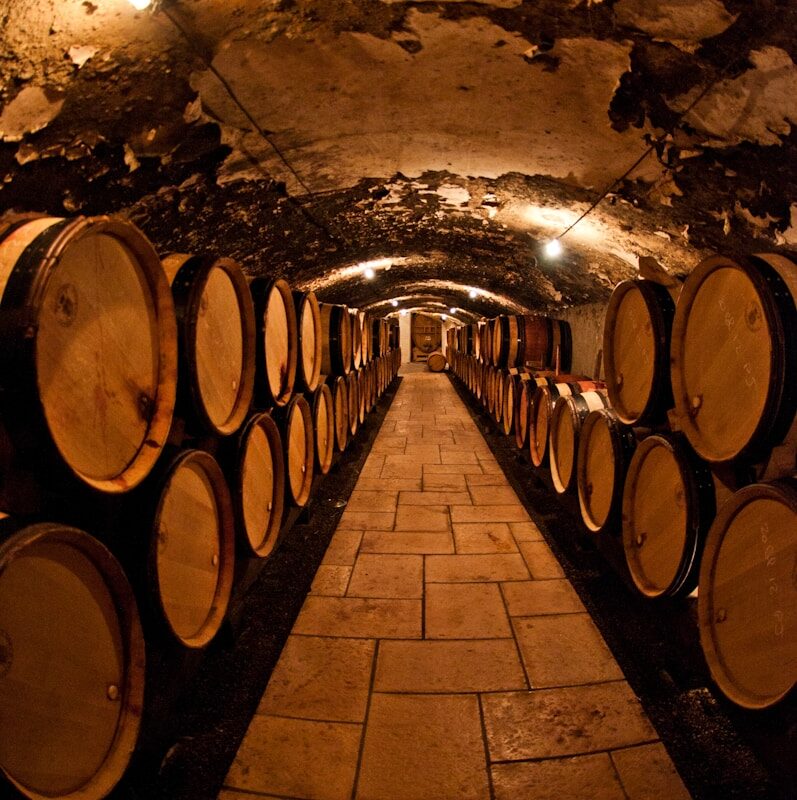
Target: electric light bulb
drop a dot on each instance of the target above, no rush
(368, 273)
(394, 303)
(140, 5)
(403, 312)
(553, 248)
(443, 316)
(452, 310)
(472, 293)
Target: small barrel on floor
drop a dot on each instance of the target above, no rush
(436, 362)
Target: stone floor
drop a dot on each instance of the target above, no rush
(442, 653)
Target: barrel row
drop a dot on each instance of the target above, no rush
(186, 412)
(678, 518)
(109, 351)
(516, 341)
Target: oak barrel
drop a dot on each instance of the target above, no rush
(436, 362)
(71, 664)
(340, 404)
(540, 410)
(192, 548)
(362, 394)
(298, 440)
(88, 366)
(356, 340)
(353, 396)
(569, 413)
(511, 392)
(216, 337)
(336, 355)
(259, 486)
(747, 608)
(605, 447)
(524, 391)
(668, 506)
(324, 428)
(308, 323)
(734, 356)
(277, 341)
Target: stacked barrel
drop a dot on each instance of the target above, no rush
(687, 457)
(179, 413)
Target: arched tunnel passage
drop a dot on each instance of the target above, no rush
(405, 157)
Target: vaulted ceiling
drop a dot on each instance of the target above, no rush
(442, 142)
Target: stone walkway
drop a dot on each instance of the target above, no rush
(442, 653)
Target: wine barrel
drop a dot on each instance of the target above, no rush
(540, 410)
(336, 358)
(311, 335)
(216, 336)
(362, 394)
(511, 394)
(561, 346)
(605, 447)
(748, 595)
(258, 487)
(364, 321)
(569, 413)
(478, 339)
(340, 404)
(436, 362)
(668, 506)
(192, 548)
(524, 391)
(88, 366)
(356, 341)
(636, 351)
(277, 341)
(734, 356)
(498, 391)
(71, 664)
(299, 450)
(353, 397)
(324, 428)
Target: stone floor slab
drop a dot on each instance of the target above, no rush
(511, 512)
(465, 611)
(484, 537)
(546, 723)
(532, 598)
(366, 520)
(465, 568)
(647, 773)
(445, 482)
(422, 518)
(321, 678)
(342, 548)
(331, 580)
(431, 497)
(360, 618)
(419, 747)
(437, 542)
(541, 561)
(380, 500)
(378, 575)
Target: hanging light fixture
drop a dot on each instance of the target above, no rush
(553, 248)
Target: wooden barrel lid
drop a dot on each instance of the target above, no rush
(539, 425)
(105, 356)
(71, 664)
(436, 362)
(261, 484)
(216, 322)
(353, 396)
(522, 414)
(748, 595)
(340, 404)
(308, 315)
(279, 341)
(356, 340)
(728, 359)
(362, 394)
(300, 450)
(324, 427)
(566, 419)
(661, 516)
(508, 412)
(193, 548)
(604, 450)
(636, 349)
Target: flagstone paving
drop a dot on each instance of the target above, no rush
(442, 654)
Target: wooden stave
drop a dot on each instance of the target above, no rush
(784, 491)
(19, 307)
(778, 296)
(661, 311)
(340, 404)
(307, 302)
(15, 537)
(299, 496)
(226, 554)
(577, 407)
(265, 396)
(700, 504)
(271, 536)
(623, 442)
(336, 358)
(353, 396)
(324, 455)
(188, 276)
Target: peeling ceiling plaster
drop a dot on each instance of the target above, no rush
(31, 110)
(675, 20)
(353, 105)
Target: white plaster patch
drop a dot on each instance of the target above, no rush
(789, 236)
(348, 106)
(31, 110)
(80, 54)
(453, 195)
(759, 106)
(675, 20)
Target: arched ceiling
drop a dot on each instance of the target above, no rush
(444, 142)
